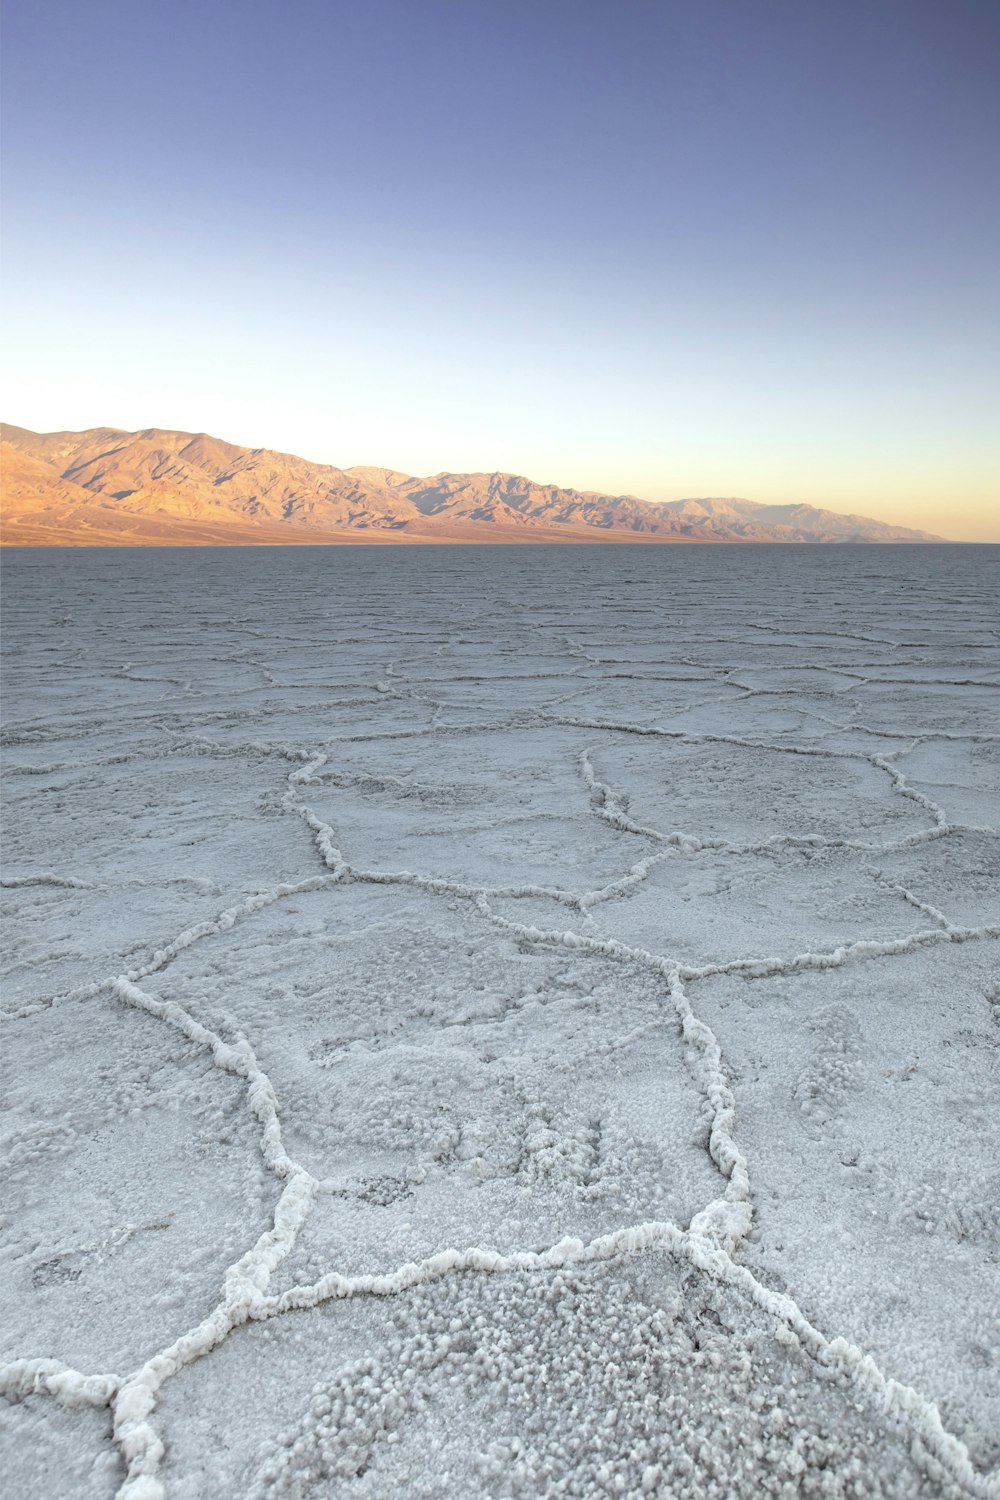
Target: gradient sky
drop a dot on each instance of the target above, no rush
(719, 247)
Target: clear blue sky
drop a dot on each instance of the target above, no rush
(730, 247)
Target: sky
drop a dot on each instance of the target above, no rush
(661, 247)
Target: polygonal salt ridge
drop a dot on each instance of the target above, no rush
(959, 876)
(722, 907)
(164, 955)
(611, 806)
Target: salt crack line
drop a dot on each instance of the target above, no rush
(34, 1377)
(727, 1221)
(766, 968)
(245, 1282)
(566, 1252)
(236, 1057)
(901, 1402)
(38, 770)
(163, 956)
(638, 873)
(903, 787)
(610, 806)
(245, 1285)
(333, 858)
(913, 900)
(693, 737)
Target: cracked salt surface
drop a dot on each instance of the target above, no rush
(503, 1022)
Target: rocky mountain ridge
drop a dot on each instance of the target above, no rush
(108, 487)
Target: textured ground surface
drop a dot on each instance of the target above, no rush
(492, 1022)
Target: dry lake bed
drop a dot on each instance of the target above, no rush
(501, 1021)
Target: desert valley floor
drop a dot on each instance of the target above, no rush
(501, 1021)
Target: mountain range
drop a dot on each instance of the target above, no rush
(104, 487)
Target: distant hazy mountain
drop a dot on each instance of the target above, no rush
(112, 488)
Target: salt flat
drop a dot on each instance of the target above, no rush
(486, 1021)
